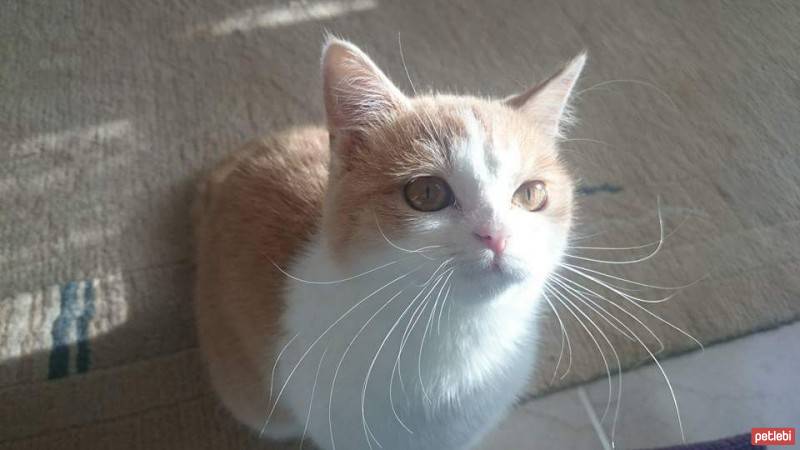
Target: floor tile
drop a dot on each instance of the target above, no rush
(726, 390)
(557, 421)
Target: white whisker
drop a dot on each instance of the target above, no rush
(614, 304)
(617, 289)
(651, 286)
(564, 300)
(311, 400)
(643, 83)
(275, 365)
(382, 266)
(425, 335)
(402, 340)
(594, 141)
(669, 385)
(632, 299)
(405, 67)
(344, 355)
(367, 432)
(563, 335)
(435, 272)
(575, 238)
(310, 347)
(633, 261)
(441, 309)
(375, 358)
(619, 372)
(595, 307)
(653, 357)
(402, 249)
(412, 323)
(634, 247)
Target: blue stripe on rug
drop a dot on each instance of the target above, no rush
(83, 359)
(59, 354)
(591, 190)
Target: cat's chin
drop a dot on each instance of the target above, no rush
(507, 267)
(486, 278)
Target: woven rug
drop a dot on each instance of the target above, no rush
(111, 110)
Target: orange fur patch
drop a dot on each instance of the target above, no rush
(258, 207)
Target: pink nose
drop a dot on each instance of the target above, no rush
(495, 242)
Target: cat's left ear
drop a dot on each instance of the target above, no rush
(546, 103)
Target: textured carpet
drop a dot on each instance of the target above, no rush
(110, 110)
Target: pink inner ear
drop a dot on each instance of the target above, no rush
(357, 93)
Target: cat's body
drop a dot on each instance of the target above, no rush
(327, 303)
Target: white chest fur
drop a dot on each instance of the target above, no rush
(342, 372)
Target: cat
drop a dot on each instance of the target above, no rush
(376, 283)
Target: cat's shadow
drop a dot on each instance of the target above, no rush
(125, 370)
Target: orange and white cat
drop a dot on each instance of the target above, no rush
(375, 284)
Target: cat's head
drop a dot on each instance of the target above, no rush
(476, 180)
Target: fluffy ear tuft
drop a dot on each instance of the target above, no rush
(357, 94)
(546, 103)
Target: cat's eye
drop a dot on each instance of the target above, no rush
(428, 194)
(531, 196)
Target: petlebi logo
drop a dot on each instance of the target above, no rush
(773, 436)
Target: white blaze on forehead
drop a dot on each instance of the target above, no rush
(484, 173)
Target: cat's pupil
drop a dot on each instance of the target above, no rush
(428, 194)
(528, 192)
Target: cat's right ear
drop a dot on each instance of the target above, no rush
(546, 103)
(357, 94)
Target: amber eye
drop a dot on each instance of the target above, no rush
(531, 196)
(428, 194)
